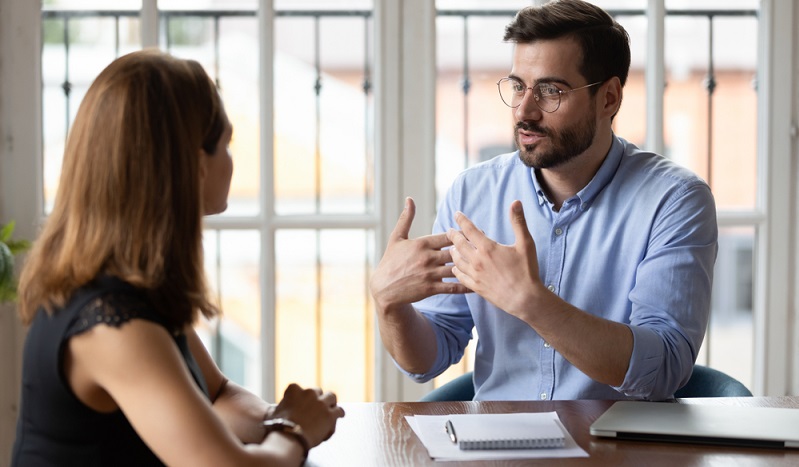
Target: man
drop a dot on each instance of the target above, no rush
(590, 261)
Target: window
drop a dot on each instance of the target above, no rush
(300, 211)
(313, 200)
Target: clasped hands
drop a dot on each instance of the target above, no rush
(413, 269)
(315, 411)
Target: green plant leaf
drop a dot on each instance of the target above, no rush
(7, 286)
(8, 249)
(6, 231)
(6, 266)
(18, 246)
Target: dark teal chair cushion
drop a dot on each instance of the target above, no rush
(704, 382)
(707, 382)
(459, 389)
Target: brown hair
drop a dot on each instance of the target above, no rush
(129, 202)
(604, 43)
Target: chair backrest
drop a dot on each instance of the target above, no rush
(704, 382)
(459, 389)
(708, 382)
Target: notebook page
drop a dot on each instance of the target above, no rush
(507, 431)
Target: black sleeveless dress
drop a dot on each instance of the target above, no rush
(54, 427)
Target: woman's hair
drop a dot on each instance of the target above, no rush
(604, 43)
(129, 203)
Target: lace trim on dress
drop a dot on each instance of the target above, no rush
(112, 309)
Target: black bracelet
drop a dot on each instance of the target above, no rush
(288, 427)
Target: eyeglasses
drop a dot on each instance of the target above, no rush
(547, 96)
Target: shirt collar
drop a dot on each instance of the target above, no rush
(603, 176)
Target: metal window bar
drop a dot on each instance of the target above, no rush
(166, 16)
(318, 197)
(66, 86)
(66, 16)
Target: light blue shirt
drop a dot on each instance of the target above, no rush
(637, 246)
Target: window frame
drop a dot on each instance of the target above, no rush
(405, 137)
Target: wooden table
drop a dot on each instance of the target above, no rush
(376, 434)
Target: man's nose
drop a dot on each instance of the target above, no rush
(528, 109)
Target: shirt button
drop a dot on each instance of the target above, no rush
(551, 288)
(558, 231)
(546, 345)
(543, 396)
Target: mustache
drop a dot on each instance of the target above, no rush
(531, 126)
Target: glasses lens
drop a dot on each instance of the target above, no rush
(511, 92)
(547, 97)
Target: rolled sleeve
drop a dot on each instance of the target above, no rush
(452, 326)
(671, 298)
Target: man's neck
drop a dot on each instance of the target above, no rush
(564, 181)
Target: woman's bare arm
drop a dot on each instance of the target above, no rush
(141, 369)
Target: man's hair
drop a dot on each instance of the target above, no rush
(129, 201)
(605, 45)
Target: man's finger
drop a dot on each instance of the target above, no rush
(463, 278)
(459, 240)
(469, 230)
(403, 227)
(441, 272)
(434, 241)
(518, 222)
(460, 261)
(457, 257)
(441, 257)
(450, 287)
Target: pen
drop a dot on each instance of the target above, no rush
(451, 431)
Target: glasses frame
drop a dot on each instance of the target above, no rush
(560, 94)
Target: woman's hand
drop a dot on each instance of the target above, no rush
(313, 410)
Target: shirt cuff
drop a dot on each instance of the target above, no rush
(646, 358)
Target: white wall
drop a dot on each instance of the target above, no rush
(19, 143)
(794, 354)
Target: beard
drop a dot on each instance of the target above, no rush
(566, 144)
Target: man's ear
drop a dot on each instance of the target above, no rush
(611, 94)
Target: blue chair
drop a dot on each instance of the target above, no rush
(707, 382)
(459, 389)
(704, 382)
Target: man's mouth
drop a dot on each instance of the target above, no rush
(529, 134)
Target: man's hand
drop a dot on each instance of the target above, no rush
(505, 275)
(508, 277)
(412, 269)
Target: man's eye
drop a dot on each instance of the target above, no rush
(518, 87)
(548, 90)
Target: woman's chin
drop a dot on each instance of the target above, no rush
(219, 210)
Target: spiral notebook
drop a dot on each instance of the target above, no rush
(434, 435)
(506, 431)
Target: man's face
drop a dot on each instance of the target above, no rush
(548, 140)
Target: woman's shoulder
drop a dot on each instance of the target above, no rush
(109, 301)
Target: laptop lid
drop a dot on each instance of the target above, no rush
(706, 424)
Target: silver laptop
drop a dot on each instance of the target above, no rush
(706, 424)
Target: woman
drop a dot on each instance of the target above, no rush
(113, 371)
